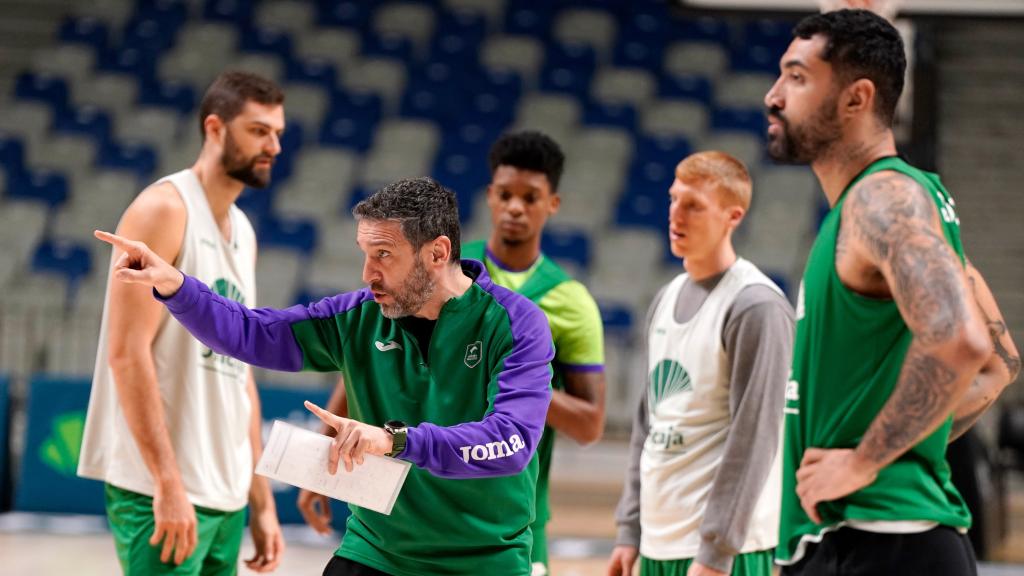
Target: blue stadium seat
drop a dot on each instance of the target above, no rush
(750, 120)
(48, 187)
(706, 29)
(665, 150)
(643, 211)
(256, 204)
(780, 280)
(89, 31)
(617, 115)
(648, 22)
(470, 138)
(150, 33)
(45, 88)
(616, 317)
(309, 294)
(173, 12)
(178, 96)
(265, 41)
(422, 101)
(493, 108)
(466, 175)
(137, 158)
(71, 260)
(86, 120)
(291, 141)
(351, 120)
(577, 57)
(130, 60)
(12, 155)
(347, 130)
(353, 14)
(756, 58)
(454, 49)
(528, 18)
(690, 87)
(315, 71)
(503, 84)
(637, 53)
(359, 194)
(565, 79)
(776, 34)
(434, 92)
(470, 26)
(390, 46)
(296, 234)
(567, 245)
(230, 11)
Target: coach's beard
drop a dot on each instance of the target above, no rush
(411, 295)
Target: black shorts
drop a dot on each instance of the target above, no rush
(339, 566)
(941, 551)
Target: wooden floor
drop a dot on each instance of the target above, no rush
(585, 489)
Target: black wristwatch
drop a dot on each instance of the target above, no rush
(397, 429)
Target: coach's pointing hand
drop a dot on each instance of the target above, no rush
(138, 264)
(353, 440)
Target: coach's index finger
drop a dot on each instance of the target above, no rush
(324, 416)
(113, 239)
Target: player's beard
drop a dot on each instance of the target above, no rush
(244, 169)
(414, 292)
(806, 142)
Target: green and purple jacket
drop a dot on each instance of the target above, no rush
(475, 405)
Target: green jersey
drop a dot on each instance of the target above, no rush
(847, 357)
(576, 328)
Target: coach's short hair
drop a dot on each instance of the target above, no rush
(728, 175)
(423, 207)
(229, 92)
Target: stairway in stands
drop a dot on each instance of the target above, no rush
(981, 153)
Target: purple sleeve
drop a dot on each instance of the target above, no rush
(504, 442)
(261, 337)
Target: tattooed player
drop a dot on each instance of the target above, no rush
(891, 357)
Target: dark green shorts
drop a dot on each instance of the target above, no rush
(751, 564)
(131, 520)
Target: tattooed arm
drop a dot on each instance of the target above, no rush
(1001, 368)
(892, 232)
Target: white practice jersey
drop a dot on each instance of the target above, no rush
(205, 402)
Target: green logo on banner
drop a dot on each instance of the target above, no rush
(60, 451)
(667, 379)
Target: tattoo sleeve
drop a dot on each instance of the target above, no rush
(892, 220)
(1001, 368)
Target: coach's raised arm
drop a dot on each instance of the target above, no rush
(442, 368)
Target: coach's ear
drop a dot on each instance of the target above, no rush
(440, 251)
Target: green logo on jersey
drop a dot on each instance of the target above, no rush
(667, 379)
(60, 450)
(474, 352)
(225, 288)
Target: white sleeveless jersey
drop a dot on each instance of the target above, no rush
(206, 407)
(688, 402)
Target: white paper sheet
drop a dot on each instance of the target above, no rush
(298, 457)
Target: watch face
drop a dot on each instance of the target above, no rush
(391, 425)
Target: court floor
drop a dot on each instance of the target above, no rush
(585, 488)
